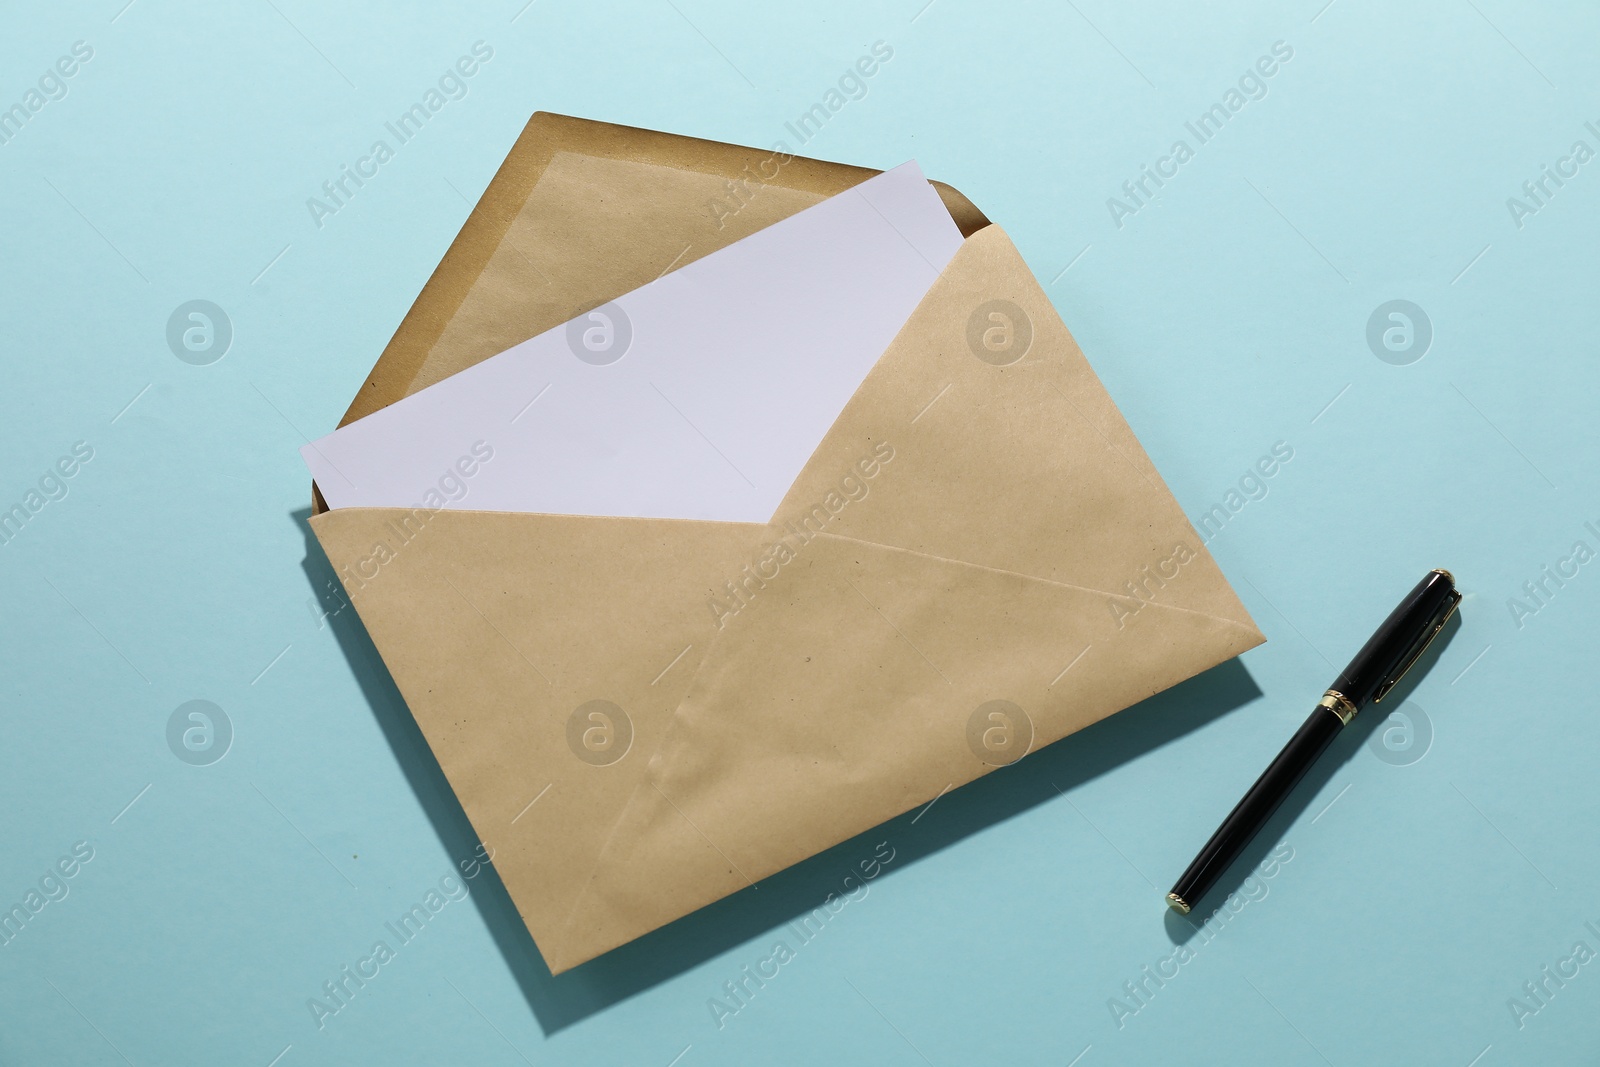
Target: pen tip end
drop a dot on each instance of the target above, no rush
(1177, 904)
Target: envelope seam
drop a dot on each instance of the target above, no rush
(1036, 578)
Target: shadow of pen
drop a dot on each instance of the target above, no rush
(1180, 928)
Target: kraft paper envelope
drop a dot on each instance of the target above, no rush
(641, 716)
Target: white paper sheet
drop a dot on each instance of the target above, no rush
(731, 371)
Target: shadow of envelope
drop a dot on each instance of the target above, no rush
(641, 716)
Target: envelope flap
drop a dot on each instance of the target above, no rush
(1009, 453)
(580, 213)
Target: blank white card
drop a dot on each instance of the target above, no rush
(698, 396)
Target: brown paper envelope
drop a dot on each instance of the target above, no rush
(966, 533)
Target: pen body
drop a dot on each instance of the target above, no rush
(1257, 806)
(1398, 643)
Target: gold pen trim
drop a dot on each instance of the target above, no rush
(1177, 904)
(1339, 704)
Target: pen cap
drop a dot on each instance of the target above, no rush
(1396, 644)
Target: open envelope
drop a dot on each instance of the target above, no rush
(641, 716)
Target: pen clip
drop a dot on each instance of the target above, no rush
(1421, 646)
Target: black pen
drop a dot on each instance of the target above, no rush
(1392, 650)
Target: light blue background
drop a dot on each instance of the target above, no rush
(1228, 315)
